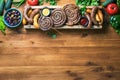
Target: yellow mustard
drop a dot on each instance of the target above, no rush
(45, 12)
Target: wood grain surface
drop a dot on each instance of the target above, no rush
(73, 55)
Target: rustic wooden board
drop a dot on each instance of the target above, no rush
(73, 55)
(65, 26)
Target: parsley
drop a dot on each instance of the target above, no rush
(87, 2)
(83, 10)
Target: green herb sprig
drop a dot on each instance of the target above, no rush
(18, 4)
(52, 2)
(83, 10)
(87, 2)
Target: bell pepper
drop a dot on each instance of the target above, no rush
(115, 22)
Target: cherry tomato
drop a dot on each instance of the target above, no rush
(33, 2)
(112, 9)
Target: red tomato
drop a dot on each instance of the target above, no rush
(33, 2)
(112, 9)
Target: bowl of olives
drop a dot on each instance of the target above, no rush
(12, 18)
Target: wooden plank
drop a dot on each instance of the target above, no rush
(40, 70)
(56, 60)
(61, 43)
(59, 73)
(37, 35)
(88, 51)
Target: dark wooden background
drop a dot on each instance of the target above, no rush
(73, 55)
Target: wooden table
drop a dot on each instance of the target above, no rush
(73, 55)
